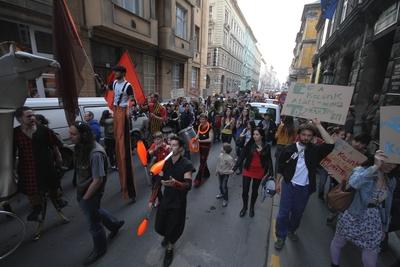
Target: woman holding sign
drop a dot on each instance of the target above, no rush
(365, 222)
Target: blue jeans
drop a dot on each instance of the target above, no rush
(97, 217)
(223, 185)
(293, 202)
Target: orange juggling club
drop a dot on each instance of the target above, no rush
(142, 227)
(157, 167)
(142, 152)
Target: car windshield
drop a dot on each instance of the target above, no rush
(260, 111)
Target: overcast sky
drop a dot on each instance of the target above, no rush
(275, 24)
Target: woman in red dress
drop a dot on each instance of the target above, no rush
(256, 157)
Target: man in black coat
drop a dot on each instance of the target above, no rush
(296, 178)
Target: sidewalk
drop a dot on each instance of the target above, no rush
(312, 250)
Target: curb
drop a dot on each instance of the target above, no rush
(273, 258)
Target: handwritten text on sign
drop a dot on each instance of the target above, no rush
(390, 132)
(329, 103)
(342, 160)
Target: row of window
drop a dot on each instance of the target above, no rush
(234, 26)
(219, 58)
(232, 45)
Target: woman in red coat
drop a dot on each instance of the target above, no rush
(256, 157)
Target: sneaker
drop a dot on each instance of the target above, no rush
(224, 203)
(219, 196)
(114, 232)
(293, 236)
(169, 256)
(279, 243)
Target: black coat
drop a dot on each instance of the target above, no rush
(247, 155)
(270, 134)
(313, 155)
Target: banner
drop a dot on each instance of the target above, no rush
(131, 76)
(68, 51)
(342, 160)
(329, 103)
(390, 132)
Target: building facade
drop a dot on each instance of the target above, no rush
(301, 68)
(360, 47)
(229, 40)
(164, 38)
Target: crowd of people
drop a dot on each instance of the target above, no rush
(245, 150)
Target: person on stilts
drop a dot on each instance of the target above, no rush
(123, 92)
(205, 137)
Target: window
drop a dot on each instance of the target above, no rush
(215, 57)
(222, 60)
(134, 6)
(16, 32)
(209, 59)
(195, 78)
(344, 10)
(44, 42)
(226, 16)
(197, 38)
(149, 74)
(210, 12)
(210, 36)
(180, 29)
(177, 76)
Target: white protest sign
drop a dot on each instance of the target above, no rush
(329, 103)
(390, 132)
(176, 93)
(342, 160)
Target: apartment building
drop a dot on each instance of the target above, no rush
(230, 39)
(164, 38)
(301, 69)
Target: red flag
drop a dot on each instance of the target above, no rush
(69, 52)
(131, 76)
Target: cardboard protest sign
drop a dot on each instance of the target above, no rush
(342, 160)
(176, 93)
(390, 132)
(329, 103)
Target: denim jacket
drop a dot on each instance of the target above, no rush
(364, 181)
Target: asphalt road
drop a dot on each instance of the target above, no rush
(213, 236)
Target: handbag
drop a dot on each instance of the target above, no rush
(339, 198)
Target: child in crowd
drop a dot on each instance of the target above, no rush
(224, 169)
(157, 152)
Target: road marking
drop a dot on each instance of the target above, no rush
(275, 261)
(273, 229)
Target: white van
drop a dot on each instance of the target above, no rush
(261, 108)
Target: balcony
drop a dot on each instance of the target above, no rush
(171, 44)
(105, 16)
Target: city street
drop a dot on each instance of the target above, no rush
(214, 236)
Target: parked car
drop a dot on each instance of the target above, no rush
(261, 108)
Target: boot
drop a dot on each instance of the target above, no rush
(252, 203)
(244, 209)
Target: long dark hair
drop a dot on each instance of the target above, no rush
(105, 115)
(289, 128)
(86, 142)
